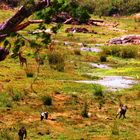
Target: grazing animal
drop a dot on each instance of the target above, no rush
(122, 111)
(51, 47)
(22, 60)
(81, 44)
(39, 60)
(22, 133)
(44, 115)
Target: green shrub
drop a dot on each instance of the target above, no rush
(60, 67)
(5, 100)
(77, 52)
(80, 13)
(29, 73)
(98, 90)
(103, 58)
(47, 100)
(116, 51)
(8, 103)
(110, 7)
(17, 96)
(56, 61)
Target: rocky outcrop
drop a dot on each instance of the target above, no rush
(132, 39)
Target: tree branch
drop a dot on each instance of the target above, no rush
(24, 12)
(24, 25)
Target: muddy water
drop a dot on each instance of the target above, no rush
(101, 66)
(92, 49)
(112, 82)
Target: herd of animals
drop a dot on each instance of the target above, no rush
(22, 133)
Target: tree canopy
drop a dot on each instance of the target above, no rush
(44, 9)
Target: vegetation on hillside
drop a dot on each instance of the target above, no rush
(52, 81)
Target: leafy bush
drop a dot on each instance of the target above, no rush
(76, 10)
(103, 58)
(110, 7)
(47, 100)
(17, 96)
(98, 90)
(5, 100)
(56, 61)
(8, 104)
(80, 13)
(29, 72)
(77, 52)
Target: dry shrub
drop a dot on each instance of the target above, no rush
(56, 61)
(77, 51)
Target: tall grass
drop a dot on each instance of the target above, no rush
(56, 61)
(121, 51)
(4, 135)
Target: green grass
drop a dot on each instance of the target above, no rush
(67, 106)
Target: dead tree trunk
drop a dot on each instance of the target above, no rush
(24, 12)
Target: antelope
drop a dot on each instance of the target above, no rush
(51, 47)
(39, 60)
(22, 60)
